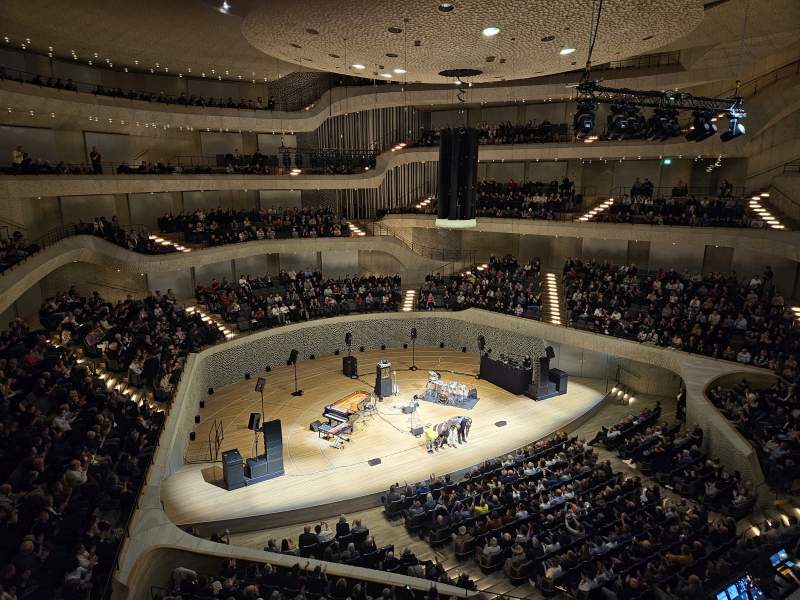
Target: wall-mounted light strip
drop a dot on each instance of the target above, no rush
(762, 213)
(425, 203)
(596, 210)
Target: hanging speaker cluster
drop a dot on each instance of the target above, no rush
(458, 178)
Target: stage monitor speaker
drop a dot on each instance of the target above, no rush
(350, 366)
(417, 431)
(550, 352)
(292, 357)
(374, 462)
(254, 422)
(458, 178)
(232, 469)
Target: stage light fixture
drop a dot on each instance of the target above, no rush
(583, 122)
(735, 129)
(624, 122)
(702, 128)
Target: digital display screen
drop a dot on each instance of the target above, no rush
(744, 588)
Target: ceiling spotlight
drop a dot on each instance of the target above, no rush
(226, 6)
(491, 31)
(566, 50)
(400, 71)
(735, 129)
(387, 75)
(358, 67)
(584, 118)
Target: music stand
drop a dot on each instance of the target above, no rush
(293, 361)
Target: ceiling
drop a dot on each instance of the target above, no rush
(389, 37)
(259, 39)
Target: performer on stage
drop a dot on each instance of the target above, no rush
(463, 429)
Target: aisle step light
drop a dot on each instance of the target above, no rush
(554, 298)
(755, 206)
(206, 318)
(596, 210)
(425, 203)
(357, 231)
(409, 300)
(159, 240)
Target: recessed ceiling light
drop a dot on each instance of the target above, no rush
(491, 31)
(565, 50)
(358, 67)
(387, 75)
(446, 7)
(400, 71)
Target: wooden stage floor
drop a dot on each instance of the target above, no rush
(318, 475)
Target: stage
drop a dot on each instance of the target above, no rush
(340, 480)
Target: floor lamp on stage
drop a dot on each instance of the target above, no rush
(293, 361)
(260, 389)
(413, 349)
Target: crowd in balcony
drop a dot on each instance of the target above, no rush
(294, 296)
(768, 416)
(507, 133)
(526, 200)
(74, 454)
(502, 285)
(147, 338)
(555, 514)
(641, 205)
(14, 249)
(227, 226)
(711, 314)
(133, 239)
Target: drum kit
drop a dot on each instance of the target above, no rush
(444, 392)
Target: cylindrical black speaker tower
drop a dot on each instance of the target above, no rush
(413, 333)
(458, 178)
(292, 357)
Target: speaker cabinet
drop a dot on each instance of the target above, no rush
(254, 422)
(350, 366)
(232, 469)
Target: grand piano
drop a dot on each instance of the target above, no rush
(342, 413)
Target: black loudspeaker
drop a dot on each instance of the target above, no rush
(383, 379)
(256, 467)
(197, 418)
(202, 403)
(260, 384)
(417, 431)
(560, 378)
(247, 376)
(292, 357)
(273, 435)
(210, 391)
(192, 436)
(458, 176)
(254, 422)
(348, 339)
(550, 352)
(413, 333)
(232, 469)
(481, 343)
(374, 462)
(350, 366)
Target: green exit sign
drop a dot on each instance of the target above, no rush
(666, 161)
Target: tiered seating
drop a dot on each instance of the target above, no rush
(767, 416)
(256, 303)
(709, 314)
(228, 226)
(74, 455)
(502, 285)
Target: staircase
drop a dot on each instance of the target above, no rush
(553, 310)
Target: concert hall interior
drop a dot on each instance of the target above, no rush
(419, 300)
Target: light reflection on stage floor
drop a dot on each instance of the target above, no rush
(318, 474)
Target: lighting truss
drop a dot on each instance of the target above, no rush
(592, 91)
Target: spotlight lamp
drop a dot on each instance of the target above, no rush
(735, 129)
(583, 122)
(702, 128)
